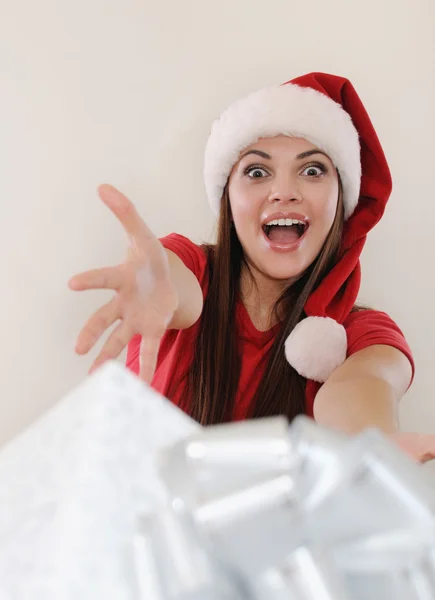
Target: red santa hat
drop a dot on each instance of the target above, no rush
(325, 110)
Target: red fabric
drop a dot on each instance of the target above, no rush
(337, 293)
(364, 328)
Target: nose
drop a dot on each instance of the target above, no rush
(285, 189)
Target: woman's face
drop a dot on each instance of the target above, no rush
(283, 195)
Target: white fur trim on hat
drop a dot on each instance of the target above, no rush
(289, 110)
(316, 347)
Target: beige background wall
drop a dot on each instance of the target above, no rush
(124, 91)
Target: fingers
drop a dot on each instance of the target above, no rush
(97, 279)
(149, 349)
(419, 446)
(125, 212)
(114, 345)
(101, 320)
(427, 457)
(426, 444)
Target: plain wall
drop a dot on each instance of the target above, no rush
(124, 92)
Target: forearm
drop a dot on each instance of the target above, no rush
(355, 404)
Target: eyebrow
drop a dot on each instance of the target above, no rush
(300, 156)
(310, 153)
(258, 153)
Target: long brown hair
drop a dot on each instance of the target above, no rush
(214, 373)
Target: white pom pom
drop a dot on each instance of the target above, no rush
(316, 347)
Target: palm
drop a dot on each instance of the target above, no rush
(150, 299)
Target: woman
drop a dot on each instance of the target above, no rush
(264, 321)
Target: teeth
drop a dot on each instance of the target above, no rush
(286, 222)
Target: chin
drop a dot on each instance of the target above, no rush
(284, 272)
(284, 275)
(282, 265)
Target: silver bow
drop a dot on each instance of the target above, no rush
(299, 513)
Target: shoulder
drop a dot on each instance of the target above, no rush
(367, 327)
(372, 326)
(195, 257)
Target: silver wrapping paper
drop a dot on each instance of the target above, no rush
(115, 493)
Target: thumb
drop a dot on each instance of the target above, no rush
(149, 349)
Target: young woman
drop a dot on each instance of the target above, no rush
(264, 321)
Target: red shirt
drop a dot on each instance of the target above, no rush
(363, 328)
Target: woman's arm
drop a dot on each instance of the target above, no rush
(190, 299)
(365, 391)
(154, 291)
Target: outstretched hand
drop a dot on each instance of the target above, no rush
(145, 299)
(419, 446)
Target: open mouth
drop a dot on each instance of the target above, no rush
(285, 231)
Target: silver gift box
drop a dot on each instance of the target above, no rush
(117, 494)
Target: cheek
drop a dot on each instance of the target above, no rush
(326, 208)
(245, 204)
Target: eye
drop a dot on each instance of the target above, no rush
(256, 172)
(314, 170)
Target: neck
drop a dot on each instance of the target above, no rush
(259, 294)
